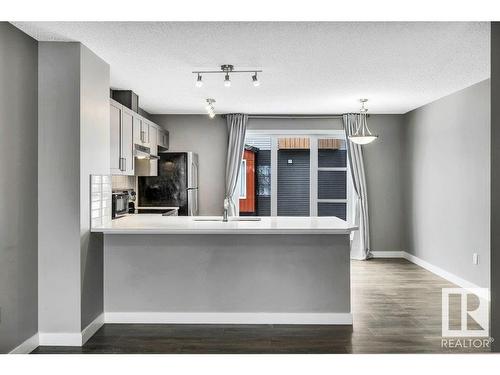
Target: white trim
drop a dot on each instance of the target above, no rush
(452, 278)
(60, 339)
(71, 339)
(92, 328)
(388, 254)
(27, 346)
(445, 274)
(274, 175)
(228, 318)
(313, 175)
(242, 179)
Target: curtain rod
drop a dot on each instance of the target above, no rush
(307, 117)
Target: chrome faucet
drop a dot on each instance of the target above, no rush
(226, 207)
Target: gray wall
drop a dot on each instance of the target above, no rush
(59, 187)
(208, 138)
(383, 177)
(94, 159)
(227, 273)
(18, 187)
(446, 176)
(74, 122)
(495, 185)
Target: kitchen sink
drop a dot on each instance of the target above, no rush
(238, 218)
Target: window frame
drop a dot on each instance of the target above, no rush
(242, 180)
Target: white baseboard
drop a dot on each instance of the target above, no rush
(452, 278)
(60, 339)
(71, 339)
(228, 318)
(92, 328)
(27, 346)
(388, 254)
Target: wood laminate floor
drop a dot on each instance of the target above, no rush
(396, 308)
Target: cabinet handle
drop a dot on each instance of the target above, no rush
(123, 163)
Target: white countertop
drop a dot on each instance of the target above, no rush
(157, 224)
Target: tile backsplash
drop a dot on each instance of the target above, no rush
(100, 200)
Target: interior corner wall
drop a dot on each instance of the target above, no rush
(382, 160)
(446, 176)
(18, 187)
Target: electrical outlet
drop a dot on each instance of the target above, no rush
(475, 258)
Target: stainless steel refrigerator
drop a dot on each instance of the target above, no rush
(175, 186)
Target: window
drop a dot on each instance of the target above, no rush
(243, 179)
(300, 174)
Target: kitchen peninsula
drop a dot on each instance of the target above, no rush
(269, 270)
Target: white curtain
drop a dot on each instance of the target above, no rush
(360, 240)
(237, 126)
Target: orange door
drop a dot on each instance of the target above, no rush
(247, 205)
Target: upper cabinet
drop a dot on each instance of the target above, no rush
(127, 129)
(141, 130)
(163, 138)
(153, 139)
(121, 124)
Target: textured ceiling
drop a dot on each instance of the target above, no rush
(308, 67)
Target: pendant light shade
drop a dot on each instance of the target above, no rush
(363, 135)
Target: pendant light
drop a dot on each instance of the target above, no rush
(363, 135)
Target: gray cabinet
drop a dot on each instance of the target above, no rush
(115, 128)
(127, 142)
(163, 138)
(141, 130)
(127, 129)
(121, 124)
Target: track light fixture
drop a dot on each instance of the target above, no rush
(227, 70)
(210, 107)
(199, 81)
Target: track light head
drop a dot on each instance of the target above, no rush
(227, 80)
(210, 107)
(199, 81)
(255, 80)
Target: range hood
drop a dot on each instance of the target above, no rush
(142, 161)
(143, 152)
